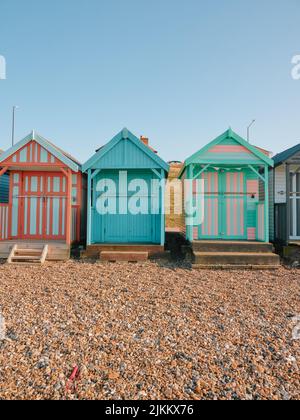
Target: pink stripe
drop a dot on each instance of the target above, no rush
(216, 217)
(216, 205)
(242, 205)
(235, 205)
(228, 176)
(195, 233)
(252, 187)
(204, 204)
(229, 149)
(195, 187)
(251, 234)
(209, 205)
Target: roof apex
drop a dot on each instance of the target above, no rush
(124, 135)
(233, 135)
(56, 151)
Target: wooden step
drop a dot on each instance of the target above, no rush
(27, 256)
(57, 250)
(236, 258)
(94, 251)
(235, 267)
(232, 246)
(114, 256)
(28, 252)
(26, 264)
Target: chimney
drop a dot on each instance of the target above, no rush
(145, 140)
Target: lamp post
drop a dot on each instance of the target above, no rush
(248, 130)
(15, 107)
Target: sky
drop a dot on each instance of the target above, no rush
(178, 72)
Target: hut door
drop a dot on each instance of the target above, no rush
(44, 206)
(211, 227)
(295, 206)
(234, 205)
(122, 225)
(224, 206)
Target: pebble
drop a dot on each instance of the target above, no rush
(148, 331)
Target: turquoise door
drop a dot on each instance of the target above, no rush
(225, 206)
(129, 219)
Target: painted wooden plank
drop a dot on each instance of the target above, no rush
(125, 145)
(22, 151)
(162, 208)
(249, 153)
(267, 206)
(89, 208)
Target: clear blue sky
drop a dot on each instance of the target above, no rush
(180, 72)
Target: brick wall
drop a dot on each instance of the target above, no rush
(174, 222)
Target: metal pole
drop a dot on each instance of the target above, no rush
(248, 130)
(13, 125)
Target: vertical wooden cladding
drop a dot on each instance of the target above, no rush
(125, 155)
(285, 195)
(39, 205)
(4, 209)
(34, 153)
(231, 170)
(45, 197)
(224, 203)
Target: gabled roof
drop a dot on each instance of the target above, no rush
(196, 157)
(286, 155)
(264, 151)
(124, 135)
(64, 157)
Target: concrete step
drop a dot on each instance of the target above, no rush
(235, 258)
(234, 267)
(231, 246)
(116, 256)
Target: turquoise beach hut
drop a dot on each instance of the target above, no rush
(232, 202)
(125, 206)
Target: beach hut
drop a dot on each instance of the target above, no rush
(45, 206)
(227, 211)
(126, 187)
(4, 190)
(285, 194)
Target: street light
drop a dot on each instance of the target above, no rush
(15, 107)
(248, 130)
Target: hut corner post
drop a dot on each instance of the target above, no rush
(267, 205)
(89, 209)
(3, 170)
(288, 202)
(163, 211)
(190, 228)
(68, 174)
